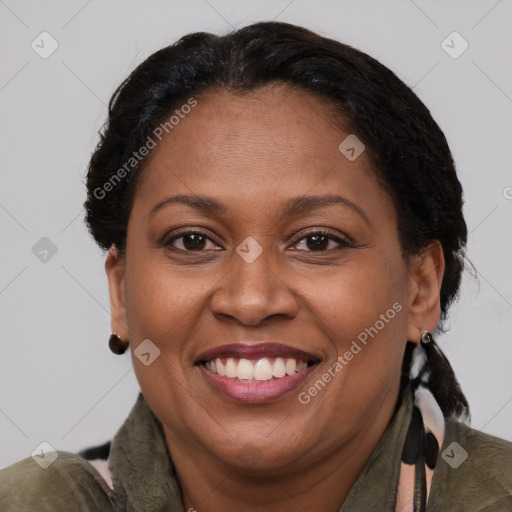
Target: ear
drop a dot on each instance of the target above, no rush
(426, 276)
(114, 267)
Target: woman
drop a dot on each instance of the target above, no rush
(284, 230)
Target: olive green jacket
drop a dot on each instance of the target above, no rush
(145, 480)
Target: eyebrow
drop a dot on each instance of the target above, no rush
(292, 207)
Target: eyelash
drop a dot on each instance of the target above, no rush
(341, 241)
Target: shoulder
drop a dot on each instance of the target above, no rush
(68, 484)
(474, 471)
(486, 454)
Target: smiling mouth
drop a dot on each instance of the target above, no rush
(256, 373)
(257, 370)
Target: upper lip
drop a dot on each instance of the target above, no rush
(255, 350)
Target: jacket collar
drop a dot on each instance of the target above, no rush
(142, 471)
(376, 486)
(144, 476)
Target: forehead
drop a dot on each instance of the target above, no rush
(262, 124)
(274, 142)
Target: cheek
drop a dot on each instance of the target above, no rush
(365, 294)
(362, 312)
(157, 299)
(165, 303)
(160, 306)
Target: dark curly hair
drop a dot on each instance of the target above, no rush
(409, 152)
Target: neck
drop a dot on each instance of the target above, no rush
(209, 485)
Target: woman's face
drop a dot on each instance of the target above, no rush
(257, 272)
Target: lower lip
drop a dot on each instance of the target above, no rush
(256, 391)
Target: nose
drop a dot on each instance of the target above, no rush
(252, 292)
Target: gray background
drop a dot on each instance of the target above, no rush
(58, 380)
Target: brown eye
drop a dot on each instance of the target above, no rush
(318, 241)
(193, 241)
(190, 241)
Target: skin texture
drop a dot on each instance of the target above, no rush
(253, 152)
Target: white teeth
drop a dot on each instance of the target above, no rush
(231, 368)
(301, 366)
(263, 369)
(290, 366)
(244, 370)
(279, 368)
(260, 370)
(221, 369)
